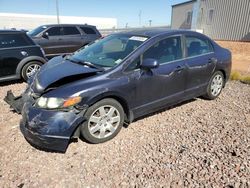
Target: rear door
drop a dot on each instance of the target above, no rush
(12, 51)
(200, 62)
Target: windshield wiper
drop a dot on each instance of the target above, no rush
(89, 64)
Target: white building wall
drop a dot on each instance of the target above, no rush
(31, 21)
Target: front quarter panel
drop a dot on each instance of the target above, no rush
(96, 88)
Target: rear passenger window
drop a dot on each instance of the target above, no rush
(197, 46)
(165, 50)
(54, 31)
(13, 40)
(70, 31)
(88, 30)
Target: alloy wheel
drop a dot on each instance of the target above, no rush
(32, 69)
(216, 85)
(104, 121)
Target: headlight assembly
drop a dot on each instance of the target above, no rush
(56, 103)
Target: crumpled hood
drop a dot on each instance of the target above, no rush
(57, 69)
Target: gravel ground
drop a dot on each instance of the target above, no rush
(198, 144)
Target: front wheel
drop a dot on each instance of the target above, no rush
(30, 69)
(104, 121)
(215, 85)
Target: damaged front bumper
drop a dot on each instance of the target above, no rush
(46, 129)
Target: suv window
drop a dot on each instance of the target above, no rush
(165, 50)
(70, 31)
(197, 46)
(13, 40)
(54, 31)
(88, 30)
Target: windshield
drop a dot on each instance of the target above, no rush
(109, 51)
(36, 31)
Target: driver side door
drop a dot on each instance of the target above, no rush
(52, 43)
(156, 88)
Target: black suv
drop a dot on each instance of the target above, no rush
(20, 57)
(63, 38)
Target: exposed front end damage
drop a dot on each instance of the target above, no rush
(49, 129)
(46, 129)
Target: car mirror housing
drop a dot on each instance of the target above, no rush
(149, 63)
(45, 35)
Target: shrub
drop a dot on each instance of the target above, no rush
(237, 76)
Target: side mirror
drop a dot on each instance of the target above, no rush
(149, 64)
(45, 35)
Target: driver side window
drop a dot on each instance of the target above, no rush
(163, 51)
(134, 65)
(166, 50)
(54, 31)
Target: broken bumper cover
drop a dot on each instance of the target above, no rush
(15, 102)
(47, 129)
(43, 141)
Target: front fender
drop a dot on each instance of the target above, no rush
(105, 94)
(122, 99)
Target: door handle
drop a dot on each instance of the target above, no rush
(212, 60)
(179, 68)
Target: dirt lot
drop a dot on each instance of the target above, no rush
(240, 55)
(199, 143)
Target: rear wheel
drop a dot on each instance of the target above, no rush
(30, 68)
(215, 85)
(104, 121)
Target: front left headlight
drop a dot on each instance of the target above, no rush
(56, 103)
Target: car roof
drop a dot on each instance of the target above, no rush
(10, 31)
(158, 31)
(61, 25)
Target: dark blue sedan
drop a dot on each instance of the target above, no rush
(117, 79)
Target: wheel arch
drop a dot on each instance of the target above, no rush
(116, 97)
(224, 75)
(27, 60)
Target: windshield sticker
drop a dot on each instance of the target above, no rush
(142, 39)
(118, 61)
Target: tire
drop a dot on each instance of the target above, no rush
(36, 65)
(100, 125)
(215, 86)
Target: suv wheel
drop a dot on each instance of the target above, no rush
(104, 121)
(30, 68)
(215, 85)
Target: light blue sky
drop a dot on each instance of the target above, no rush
(126, 11)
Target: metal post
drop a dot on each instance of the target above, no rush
(139, 18)
(57, 12)
(150, 23)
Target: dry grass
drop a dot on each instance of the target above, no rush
(235, 75)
